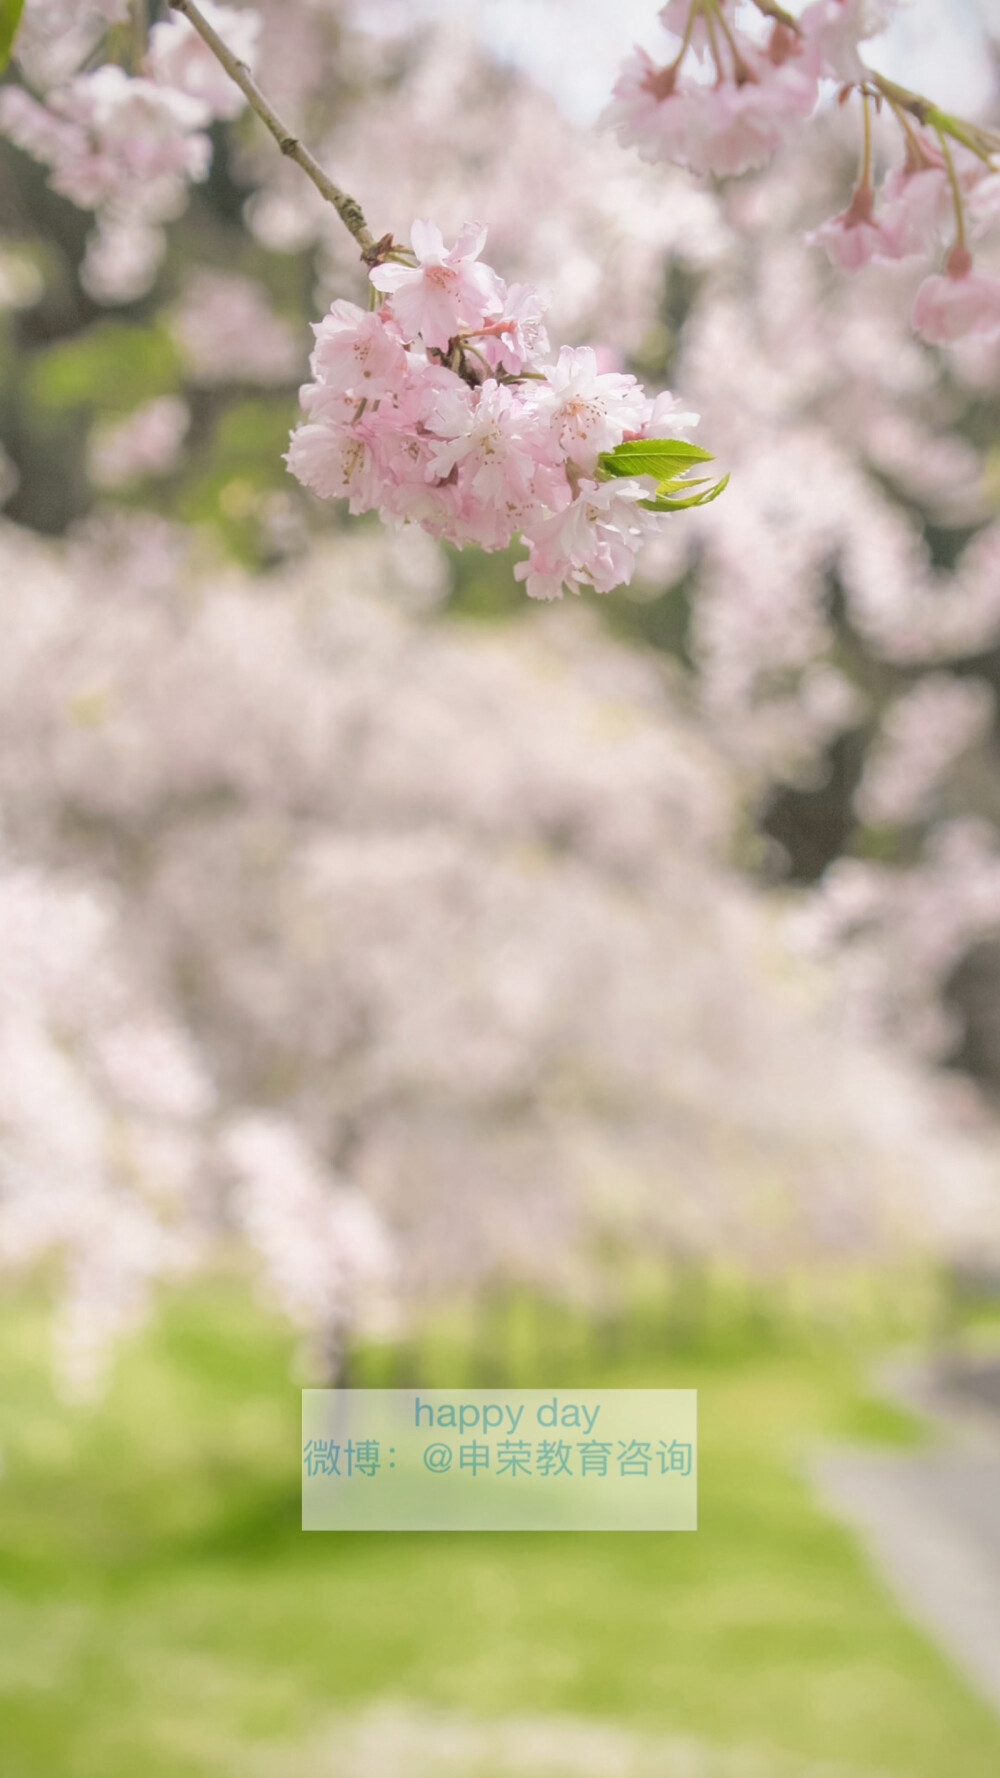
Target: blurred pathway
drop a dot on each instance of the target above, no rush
(931, 1519)
(425, 1744)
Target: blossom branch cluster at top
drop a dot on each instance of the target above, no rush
(729, 96)
(436, 408)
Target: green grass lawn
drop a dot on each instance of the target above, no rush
(162, 1614)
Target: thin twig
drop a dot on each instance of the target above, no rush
(720, 72)
(696, 8)
(865, 175)
(741, 73)
(347, 208)
(956, 190)
(139, 20)
(983, 142)
(915, 103)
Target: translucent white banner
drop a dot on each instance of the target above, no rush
(499, 1460)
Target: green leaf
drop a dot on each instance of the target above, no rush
(682, 484)
(670, 461)
(10, 18)
(664, 503)
(658, 457)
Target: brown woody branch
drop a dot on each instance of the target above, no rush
(347, 208)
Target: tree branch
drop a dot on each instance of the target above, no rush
(976, 137)
(139, 20)
(347, 208)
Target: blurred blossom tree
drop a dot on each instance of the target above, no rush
(423, 958)
(410, 955)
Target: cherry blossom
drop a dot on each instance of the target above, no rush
(835, 29)
(858, 236)
(959, 302)
(358, 353)
(726, 128)
(336, 464)
(916, 207)
(589, 410)
(491, 436)
(592, 542)
(447, 291)
(147, 443)
(644, 114)
(518, 337)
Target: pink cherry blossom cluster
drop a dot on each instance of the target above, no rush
(148, 442)
(726, 125)
(437, 409)
(729, 98)
(123, 145)
(106, 135)
(941, 196)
